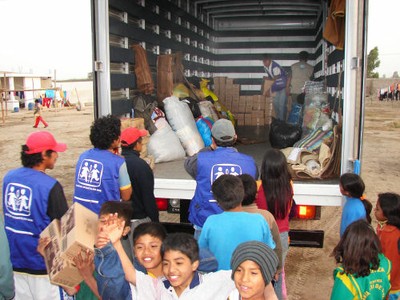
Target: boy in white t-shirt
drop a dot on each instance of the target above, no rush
(181, 279)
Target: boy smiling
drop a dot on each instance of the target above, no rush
(181, 279)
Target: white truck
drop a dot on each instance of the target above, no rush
(228, 38)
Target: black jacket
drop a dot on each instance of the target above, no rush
(142, 179)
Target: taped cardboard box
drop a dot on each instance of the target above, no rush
(266, 87)
(61, 271)
(78, 230)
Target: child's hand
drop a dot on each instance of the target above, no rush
(43, 242)
(111, 230)
(101, 240)
(84, 263)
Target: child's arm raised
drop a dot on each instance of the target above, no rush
(111, 282)
(114, 230)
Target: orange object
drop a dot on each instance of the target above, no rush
(306, 212)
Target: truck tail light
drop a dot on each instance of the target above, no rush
(162, 204)
(306, 212)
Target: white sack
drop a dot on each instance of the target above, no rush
(182, 122)
(164, 145)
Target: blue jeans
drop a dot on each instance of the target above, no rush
(285, 247)
(111, 281)
(280, 103)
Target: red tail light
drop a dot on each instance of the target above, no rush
(306, 212)
(162, 204)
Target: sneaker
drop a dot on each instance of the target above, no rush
(46, 126)
(34, 126)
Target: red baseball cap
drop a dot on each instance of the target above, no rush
(43, 140)
(131, 135)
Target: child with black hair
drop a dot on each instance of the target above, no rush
(387, 213)
(180, 253)
(253, 265)
(101, 174)
(110, 287)
(37, 112)
(147, 241)
(248, 205)
(356, 206)
(31, 200)
(364, 272)
(276, 195)
(222, 233)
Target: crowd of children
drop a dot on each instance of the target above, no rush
(238, 252)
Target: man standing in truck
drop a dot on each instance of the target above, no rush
(300, 73)
(210, 163)
(280, 87)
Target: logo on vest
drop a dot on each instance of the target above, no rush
(90, 173)
(227, 169)
(18, 199)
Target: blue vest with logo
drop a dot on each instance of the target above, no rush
(25, 199)
(279, 83)
(96, 178)
(211, 165)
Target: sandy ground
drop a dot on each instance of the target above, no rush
(308, 271)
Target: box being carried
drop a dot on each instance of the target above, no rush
(78, 230)
(61, 271)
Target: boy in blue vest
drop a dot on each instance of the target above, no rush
(31, 200)
(280, 88)
(222, 233)
(210, 163)
(101, 174)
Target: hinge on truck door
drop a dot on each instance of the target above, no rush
(355, 63)
(98, 66)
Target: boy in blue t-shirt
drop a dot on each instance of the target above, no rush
(222, 233)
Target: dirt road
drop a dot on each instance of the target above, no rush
(308, 271)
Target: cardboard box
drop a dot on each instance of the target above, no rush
(266, 86)
(229, 82)
(132, 122)
(242, 107)
(61, 271)
(78, 230)
(248, 119)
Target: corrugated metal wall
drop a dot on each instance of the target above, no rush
(171, 26)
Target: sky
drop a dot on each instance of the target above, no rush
(41, 36)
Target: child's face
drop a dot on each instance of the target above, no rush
(178, 269)
(249, 281)
(379, 213)
(148, 251)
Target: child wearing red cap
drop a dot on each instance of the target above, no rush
(31, 200)
(142, 179)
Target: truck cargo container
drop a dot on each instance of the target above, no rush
(227, 39)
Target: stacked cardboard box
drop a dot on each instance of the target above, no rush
(227, 92)
(253, 110)
(76, 231)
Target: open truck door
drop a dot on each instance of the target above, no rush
(220, 38)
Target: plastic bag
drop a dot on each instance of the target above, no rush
(164, 145)
(182, 122)
(204, 126)
(283, 135)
